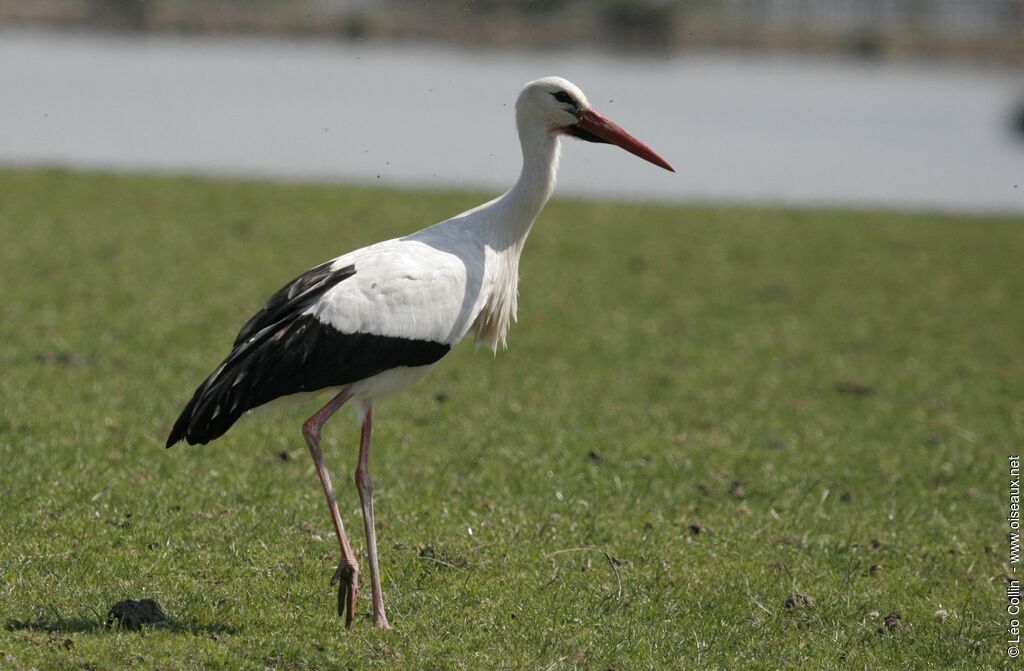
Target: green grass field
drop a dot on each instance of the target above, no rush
(705, 415)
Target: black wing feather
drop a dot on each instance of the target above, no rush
(281, 351)
(294, 297)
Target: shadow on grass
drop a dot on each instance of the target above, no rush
(69, 625)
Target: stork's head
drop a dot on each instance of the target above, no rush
(560, 106)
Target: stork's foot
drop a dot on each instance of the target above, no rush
(346, 577)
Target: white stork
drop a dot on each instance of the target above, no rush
(372, 322)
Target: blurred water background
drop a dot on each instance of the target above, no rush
(862, 111)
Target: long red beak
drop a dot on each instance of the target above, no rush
(595, 127)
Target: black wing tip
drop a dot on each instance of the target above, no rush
(187, 430)
(178, 432)
(183, 429)
(178, 436)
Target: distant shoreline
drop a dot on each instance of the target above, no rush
(629, 28)
(744, 127)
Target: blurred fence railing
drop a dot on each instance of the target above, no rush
(969, 29)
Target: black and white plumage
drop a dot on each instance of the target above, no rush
(372, 322)
(282, 351)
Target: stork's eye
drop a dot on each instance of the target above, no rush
(564, 97)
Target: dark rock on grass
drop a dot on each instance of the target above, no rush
(891, 622)
(798, 600)
(133, 615)
(800, 609)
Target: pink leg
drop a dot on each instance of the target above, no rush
(347, 574)
(365, 485)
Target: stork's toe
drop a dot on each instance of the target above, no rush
(347, 578)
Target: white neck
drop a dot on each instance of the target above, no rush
(507, 222)
(518, 207)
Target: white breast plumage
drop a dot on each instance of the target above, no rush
(499, 309)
